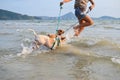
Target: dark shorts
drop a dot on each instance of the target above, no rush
(79, 13)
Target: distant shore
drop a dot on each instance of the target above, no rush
(9, 15)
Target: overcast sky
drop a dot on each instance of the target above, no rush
(51, 7)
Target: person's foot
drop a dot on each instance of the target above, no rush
(77, 32)
(75, 35)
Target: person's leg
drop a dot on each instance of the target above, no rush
(86, 21)
(78, 29)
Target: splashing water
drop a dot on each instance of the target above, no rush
(116, 60)
(69, 35)
(25, 50)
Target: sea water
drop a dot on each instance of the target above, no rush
(94, 55)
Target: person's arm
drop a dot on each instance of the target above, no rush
(93, 4)
(64, 1)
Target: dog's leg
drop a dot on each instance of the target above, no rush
(35, 45)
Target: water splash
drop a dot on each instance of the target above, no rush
(116, 60)
(25, 50)
(69, 35)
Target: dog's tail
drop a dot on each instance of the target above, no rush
(33, 31)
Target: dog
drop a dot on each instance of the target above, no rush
(51, 40)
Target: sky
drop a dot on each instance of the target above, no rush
(51, 7)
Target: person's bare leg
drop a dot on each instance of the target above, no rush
(86, 21)
(78, 29)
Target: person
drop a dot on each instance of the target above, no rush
(80, 7)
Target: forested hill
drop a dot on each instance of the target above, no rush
(8, 15)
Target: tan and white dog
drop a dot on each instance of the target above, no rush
(49, 40)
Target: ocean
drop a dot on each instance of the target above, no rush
(94, 55)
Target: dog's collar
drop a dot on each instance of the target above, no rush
(56, 43)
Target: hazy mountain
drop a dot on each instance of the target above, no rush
(68, 16)
(107, 17)
(8, 15)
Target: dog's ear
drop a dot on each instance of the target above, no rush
(60, 31)
(49, 35)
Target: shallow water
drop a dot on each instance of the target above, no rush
(94, 55)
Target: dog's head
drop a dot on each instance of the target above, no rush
(60, 32)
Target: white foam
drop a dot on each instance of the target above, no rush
(25, 50)
(18, 30)
(116, 60)
(69, 35)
